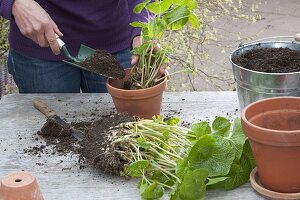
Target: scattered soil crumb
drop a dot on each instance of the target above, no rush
(95, 150)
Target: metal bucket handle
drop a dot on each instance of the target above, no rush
(296, 38)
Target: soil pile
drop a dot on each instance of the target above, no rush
(104, 63)
(96, 149)
(270, 60)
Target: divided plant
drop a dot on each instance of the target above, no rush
(187, 161)
(166, 16)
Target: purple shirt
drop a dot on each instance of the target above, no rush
(100, 24)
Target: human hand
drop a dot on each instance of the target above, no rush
(35, 23)
(136, 42)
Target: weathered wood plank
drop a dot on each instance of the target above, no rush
(59, 177)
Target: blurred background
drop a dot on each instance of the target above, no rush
(224, 25)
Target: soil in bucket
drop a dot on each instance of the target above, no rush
(270, 60)
(104, 63)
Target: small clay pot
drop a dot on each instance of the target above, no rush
(144, 103)
(20, 186)
(273, 128)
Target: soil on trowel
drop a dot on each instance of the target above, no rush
(96, 149)
(104, 63)
(270, 60)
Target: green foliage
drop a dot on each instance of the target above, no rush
(193, 185)
(200, 129)
(151, 191)
(221, 125)
(137, 168)
(186, 160)
(169, 16)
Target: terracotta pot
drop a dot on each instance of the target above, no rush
(20, 186)
(273, 128)
(144, 103)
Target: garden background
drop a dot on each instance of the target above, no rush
(225, 24)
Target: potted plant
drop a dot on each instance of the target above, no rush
(143, 90)
(266, 68)
(273, 128)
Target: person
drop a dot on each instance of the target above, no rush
(34, 58)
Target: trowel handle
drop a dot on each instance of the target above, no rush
(43, 108)
(60, 42)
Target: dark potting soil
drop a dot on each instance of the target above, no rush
(96, 149)
(104, 63)
(61, 138)
(270, 60)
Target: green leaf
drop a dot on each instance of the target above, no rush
(157, 28)
(158, 119)
(177, 18)
(173, 121)
(152, 191)
(221, 125)
(194, 20)
(239, 174)
(181, 168)
(142, 143)
(191, 4)
(159, 7)
(193, 185)
(138, 24)
(213, 181)
(162, 178)
(174, 195)
(237, 138)
(137, 168)
(202, 150)
(139, 7)
(247, 152)
(214, 153)
(201, 128)
(141, 49)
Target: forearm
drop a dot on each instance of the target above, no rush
(6, 9)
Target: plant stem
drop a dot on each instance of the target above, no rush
(167, 152)
(165, 171)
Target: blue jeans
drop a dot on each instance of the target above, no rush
(41, 76)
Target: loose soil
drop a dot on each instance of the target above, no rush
(134, 80)
(270, 60)
(104, 63)
(96, 149)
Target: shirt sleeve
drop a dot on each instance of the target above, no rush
(6, 9)
(142, 17)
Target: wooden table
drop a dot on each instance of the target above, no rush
(58, 176)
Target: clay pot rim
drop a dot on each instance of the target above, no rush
(269, 131)
(167, 78)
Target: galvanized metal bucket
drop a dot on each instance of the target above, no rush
(253, 85)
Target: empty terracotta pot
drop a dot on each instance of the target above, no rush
(273, 128)
(144, 103)
(20, 186)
